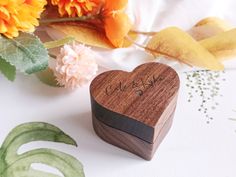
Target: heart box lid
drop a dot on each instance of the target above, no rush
(138, 102)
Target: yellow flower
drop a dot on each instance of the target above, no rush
(19, 15)
(75, 8)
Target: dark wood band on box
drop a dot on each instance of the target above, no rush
(134, 110)
(128, 142)
(122, 122)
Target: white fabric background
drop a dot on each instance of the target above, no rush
(154, 15)
(192, 148)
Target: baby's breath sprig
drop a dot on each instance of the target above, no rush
(233, 119)
(205, 85)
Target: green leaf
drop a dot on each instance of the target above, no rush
(7, 70)
(47, 77)
(33, 173)
(26, 52)
(15, 165)
(68, 165)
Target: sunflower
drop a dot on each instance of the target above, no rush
(19, 15)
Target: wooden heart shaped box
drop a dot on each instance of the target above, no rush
(134, 110)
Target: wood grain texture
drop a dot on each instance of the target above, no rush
(137, 103)
(129, 142)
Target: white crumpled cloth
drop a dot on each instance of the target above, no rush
(154, 15)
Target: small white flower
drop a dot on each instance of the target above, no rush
(75, 65)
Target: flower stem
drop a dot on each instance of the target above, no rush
(58, 43)
(52, 56)
(67, 19)
(144, 33)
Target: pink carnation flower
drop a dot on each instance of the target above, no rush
(75, 66)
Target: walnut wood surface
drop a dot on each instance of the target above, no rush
(131, 143)
(137, 103)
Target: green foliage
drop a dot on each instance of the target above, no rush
(47, 77)
(7, 70)
(26, 53)
(19, 165)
